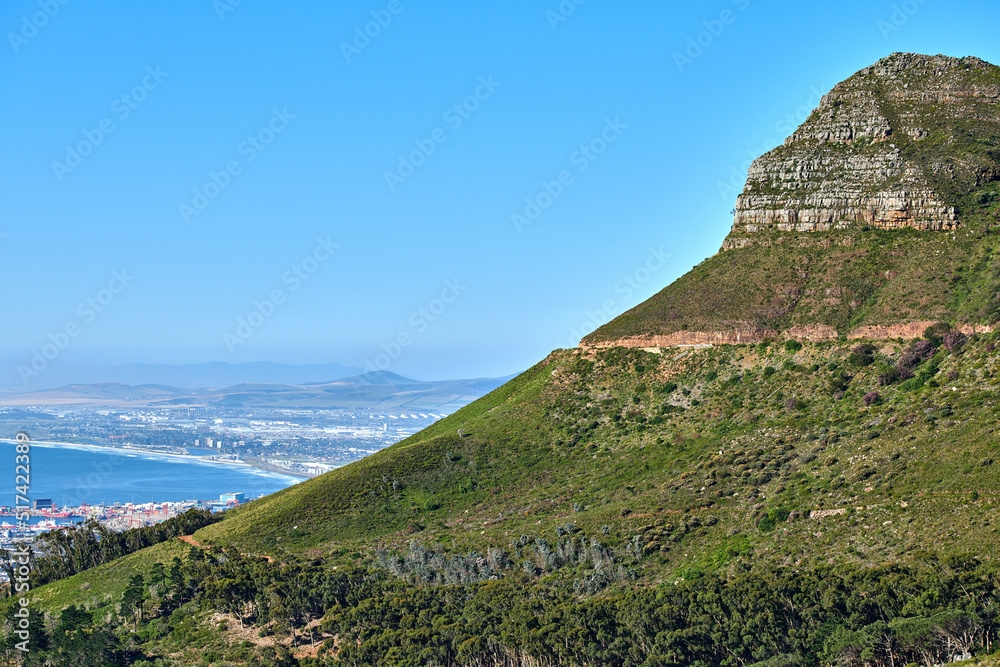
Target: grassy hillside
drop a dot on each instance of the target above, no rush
(625, 438)
(844, 279)
(103, 585)
(597, 473)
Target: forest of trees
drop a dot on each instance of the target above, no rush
(931, 612)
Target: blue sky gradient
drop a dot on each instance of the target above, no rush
(229, 161)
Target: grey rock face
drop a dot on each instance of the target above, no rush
(894, 146)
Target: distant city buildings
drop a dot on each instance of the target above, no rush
(297, 441)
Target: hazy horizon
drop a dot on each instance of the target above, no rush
(244, 371)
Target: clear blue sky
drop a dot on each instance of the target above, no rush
(309, 127)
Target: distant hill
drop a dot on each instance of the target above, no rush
(104, 393)
(217, 374)
(379, 389)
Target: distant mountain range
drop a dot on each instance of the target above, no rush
(210, 375)
(380, 389)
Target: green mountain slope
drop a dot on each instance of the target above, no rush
(622, 438)
(601, 472)
(820, 285)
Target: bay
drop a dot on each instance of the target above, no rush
(74, 474)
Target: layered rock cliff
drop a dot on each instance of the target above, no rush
(878, 215)
(896, 145)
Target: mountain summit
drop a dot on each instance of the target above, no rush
(896, 145)
(873, 219)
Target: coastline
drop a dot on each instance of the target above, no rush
(180, 458)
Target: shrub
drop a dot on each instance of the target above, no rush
(773, 517)
(887, 375)
(872, 398)
(862, 355)
(913, 356)
(768, 371)
(935, 333)
(839, 383)
(954, 341)
(792, 346)
(732, 381)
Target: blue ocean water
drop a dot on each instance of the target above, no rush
(71, 475)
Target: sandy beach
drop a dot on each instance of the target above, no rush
(184, 458)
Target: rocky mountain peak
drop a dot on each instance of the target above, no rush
(905, 65)
(896, 145)
(878, 217)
